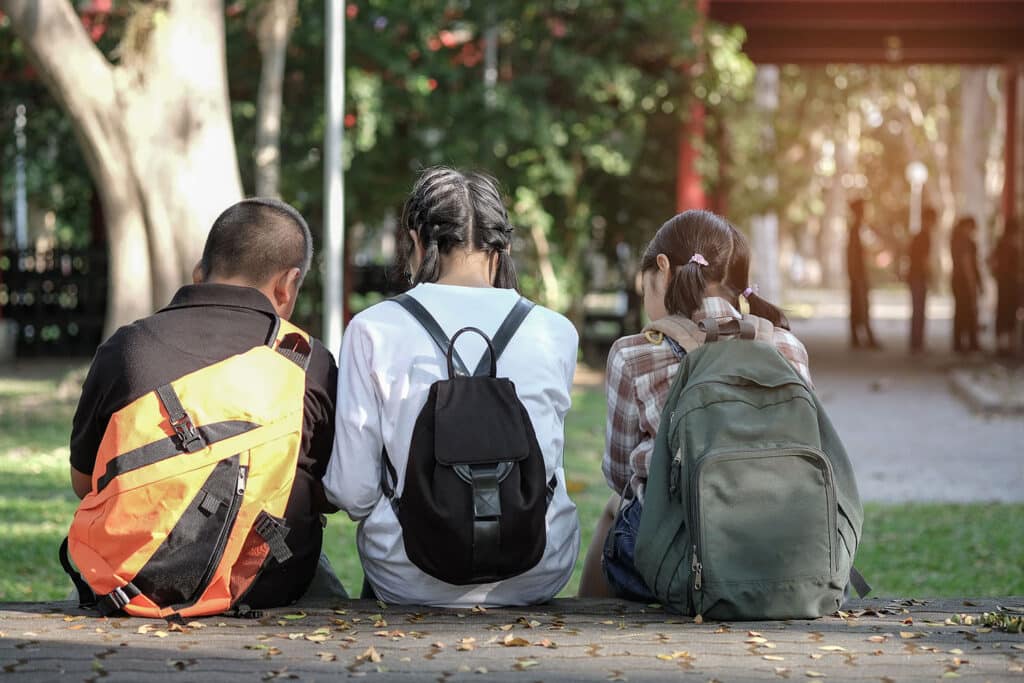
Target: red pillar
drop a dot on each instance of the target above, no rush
(689, 189)
(1010, 149)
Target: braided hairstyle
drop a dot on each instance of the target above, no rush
(451, 209)
(727, 253)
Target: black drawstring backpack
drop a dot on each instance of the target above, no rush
(475, 497)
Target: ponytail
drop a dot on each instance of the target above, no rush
(765, 309)
(430, 266)
(686, 288)
(505, 275)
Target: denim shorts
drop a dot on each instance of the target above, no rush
(617, 560)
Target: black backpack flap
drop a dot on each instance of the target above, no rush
(478, 421)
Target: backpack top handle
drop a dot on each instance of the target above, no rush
(713, 330)
(490, 352)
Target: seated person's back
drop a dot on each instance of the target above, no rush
(388, 363)
(255, 258)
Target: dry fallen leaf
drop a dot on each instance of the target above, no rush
(756, 640)
(814, 674)
(371, 655)
(466, 644)
(816, 655)
(773, 658)
(514, 641)
(327, 656)
(617, 676)
(698, 620)
(525, 663)
(678, 654)
(782, 671)
(754, 634)
(910, 635)
(832, 648)
(877, 639)
(549, 644)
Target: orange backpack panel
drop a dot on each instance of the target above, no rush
(190, 486)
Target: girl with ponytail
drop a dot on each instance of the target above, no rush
(456, 249)
(696, 267)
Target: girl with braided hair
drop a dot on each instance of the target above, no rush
(456, 249)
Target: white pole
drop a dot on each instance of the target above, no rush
(490, 58)
(334, 196)
(20, 201)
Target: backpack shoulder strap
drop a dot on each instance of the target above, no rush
(764, 329)
(684, 331)
(427, 321)
(505, 333)
(292, 342)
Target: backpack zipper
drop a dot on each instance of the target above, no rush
(241, 482)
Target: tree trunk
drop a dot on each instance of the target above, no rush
(155, 133)
(275, 27)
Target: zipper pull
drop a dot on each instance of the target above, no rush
(674, 476)
(696, 568)
(243, 471)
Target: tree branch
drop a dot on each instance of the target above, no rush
(66, 58)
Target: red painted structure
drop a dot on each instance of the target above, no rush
(872, 32)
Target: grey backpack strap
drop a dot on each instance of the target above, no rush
(427, 321)
(505, 333)
(711, 331)
(858, 582)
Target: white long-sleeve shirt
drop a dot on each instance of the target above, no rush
(386, 366)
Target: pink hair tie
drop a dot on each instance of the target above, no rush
(748, 291)
(699, 260)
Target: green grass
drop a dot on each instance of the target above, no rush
(909, 550)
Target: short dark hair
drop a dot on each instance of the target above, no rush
(256, 238)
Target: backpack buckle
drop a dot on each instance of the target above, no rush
(117, 599)
(186, 430)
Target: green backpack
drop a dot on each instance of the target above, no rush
(751, 510)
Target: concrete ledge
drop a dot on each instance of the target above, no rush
(990, 390)
(567, 640)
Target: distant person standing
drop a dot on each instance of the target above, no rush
(860, 316)
(918, 275)
(1004, 262)
(966, 286)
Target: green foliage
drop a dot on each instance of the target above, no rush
(580, 125)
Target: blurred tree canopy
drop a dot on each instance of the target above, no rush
(580, 121)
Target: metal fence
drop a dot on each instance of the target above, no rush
(57, 298)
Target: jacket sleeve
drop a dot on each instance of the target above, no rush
(352, 480)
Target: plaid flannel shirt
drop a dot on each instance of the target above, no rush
(637, 381)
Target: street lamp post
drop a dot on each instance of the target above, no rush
(334, 195)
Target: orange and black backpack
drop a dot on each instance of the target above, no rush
(190, 487)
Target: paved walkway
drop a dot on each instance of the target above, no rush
(909, 436)
(568, 640)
